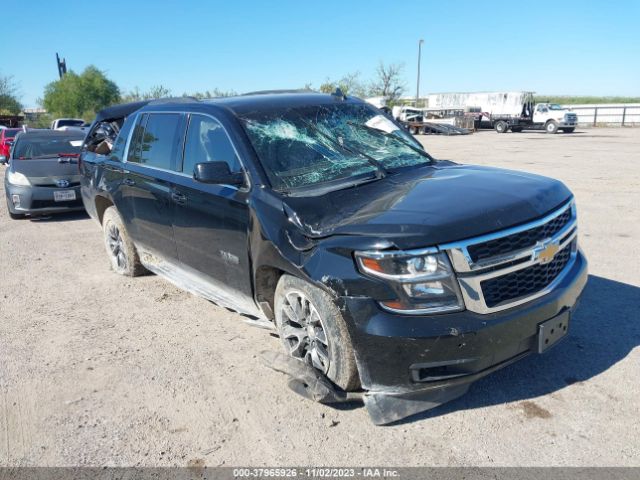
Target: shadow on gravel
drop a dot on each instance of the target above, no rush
(61, 217)
(604, 329)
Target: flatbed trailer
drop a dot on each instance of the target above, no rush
(433, 128)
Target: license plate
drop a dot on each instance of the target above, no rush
(552, 331)
(64, 195)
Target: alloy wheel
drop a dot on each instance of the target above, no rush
(116, 246)
(302, 331)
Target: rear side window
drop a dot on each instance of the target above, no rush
(156, 140)
(207, 141)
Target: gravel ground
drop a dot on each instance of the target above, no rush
(97, 369)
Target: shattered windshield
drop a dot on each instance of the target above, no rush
(306, 146)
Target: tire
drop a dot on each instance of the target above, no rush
(516, 129)
(569, 130)
(551, 127)
(502, 127)
(120, 248)
(302, 310)
(414, 130)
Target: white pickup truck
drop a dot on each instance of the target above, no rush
(548, 116)
(69, 124)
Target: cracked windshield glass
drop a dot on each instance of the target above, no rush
(303, 147)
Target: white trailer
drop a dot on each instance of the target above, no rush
(506, 111)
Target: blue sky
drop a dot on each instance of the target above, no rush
(552, 47)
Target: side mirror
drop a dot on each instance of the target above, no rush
(218, 173)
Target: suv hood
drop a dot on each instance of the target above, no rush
(434, 205)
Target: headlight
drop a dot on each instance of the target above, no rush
(17, 178)
(423, 280)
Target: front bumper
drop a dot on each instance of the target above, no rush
(424, 361)
(36, 200)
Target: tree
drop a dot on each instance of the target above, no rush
(135, 95)
(80, 95)
(388, 82)
(216, 92)
(350, 84)
(9, 103)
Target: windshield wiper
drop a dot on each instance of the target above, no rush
(381, 172)
(391, 135)
(322, 188)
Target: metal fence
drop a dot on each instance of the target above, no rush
(603, 115)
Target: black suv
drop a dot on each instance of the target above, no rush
(390, 272)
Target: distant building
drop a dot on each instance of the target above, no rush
(32, 114)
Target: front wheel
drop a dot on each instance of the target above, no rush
(551, 127)
(502, 127)
(568, 130)
(120, 248)
(313, 330)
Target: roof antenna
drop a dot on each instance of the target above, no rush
(339, 93)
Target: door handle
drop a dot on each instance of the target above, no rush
(178, 197)
(128, 181)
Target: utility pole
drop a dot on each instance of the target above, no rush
(418, 82)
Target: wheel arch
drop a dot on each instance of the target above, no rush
(266, 278)
(102, 202)
(265, 282)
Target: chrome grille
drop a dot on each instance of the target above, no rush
(514, 266)
(520, 240)
(524, 282)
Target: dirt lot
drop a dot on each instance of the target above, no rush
(97, 369)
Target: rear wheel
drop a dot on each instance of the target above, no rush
(551, 127)
(120, 248)
(502, 127)
(313, 330)
(516, 129)
(569, 130)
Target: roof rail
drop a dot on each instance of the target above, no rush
(269, 92)
(159, 101)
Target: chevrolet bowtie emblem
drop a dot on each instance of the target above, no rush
(545, 252)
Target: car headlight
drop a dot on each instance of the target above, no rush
(423, 280)
(17, 178)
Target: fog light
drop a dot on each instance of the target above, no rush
(16, 200)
